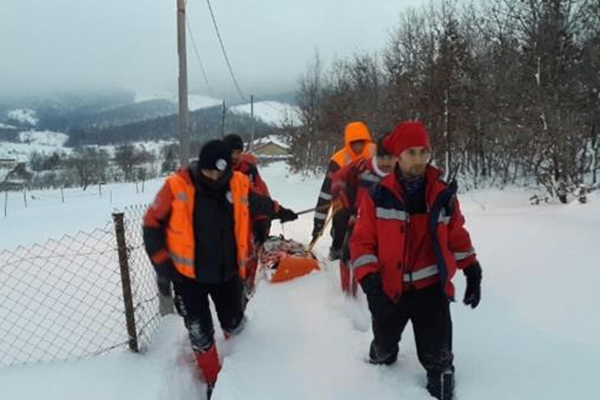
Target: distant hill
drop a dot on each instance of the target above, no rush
(123, 115)
(204, 123)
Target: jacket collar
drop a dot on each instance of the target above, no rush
(433, 184)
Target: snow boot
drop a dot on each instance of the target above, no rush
(208, 364)
(441, 385)
(376, 357)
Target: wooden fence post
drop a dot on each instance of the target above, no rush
(118, 219)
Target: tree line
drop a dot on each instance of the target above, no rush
(91, 165)
(509, 91)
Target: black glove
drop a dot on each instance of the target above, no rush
(164, 286)
(473, 291)
(380, 304)
(167, 272)
(286, 215)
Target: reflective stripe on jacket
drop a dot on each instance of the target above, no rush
(180, 231)
(380, 243)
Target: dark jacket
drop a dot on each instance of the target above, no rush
(215, 251)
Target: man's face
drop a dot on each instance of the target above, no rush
(235, 156)
(358, 146)
(412, 161)
(212, 174)
(386, 163)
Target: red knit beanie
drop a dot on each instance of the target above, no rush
(407, 135)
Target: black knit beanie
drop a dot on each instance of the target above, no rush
(234, 141)
(381, 149)
(215, 155)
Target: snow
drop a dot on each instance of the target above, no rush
(43, 138)
(48, 142)
(143, 96)
(195, 101)
(277, 139)
(24, 115)
(271, 112)
(198, 101)
(45, 142)
(6, 126)
(534, 335)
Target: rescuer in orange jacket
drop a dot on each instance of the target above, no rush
(247, 164)
(197, 234)
(348, 186)
(358, 144)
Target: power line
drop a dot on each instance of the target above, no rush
(235, 82)
(197, 53)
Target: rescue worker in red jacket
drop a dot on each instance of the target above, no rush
(197, 234)
(348, 186)
(358, 144)
(408, 242)
(247, 164)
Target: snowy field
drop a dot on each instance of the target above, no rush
(534, 336)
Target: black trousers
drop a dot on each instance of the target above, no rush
(339, 225)
(428, 310)
(191, 301)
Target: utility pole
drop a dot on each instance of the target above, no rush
(251, 147)
(223, 121)
(184, 133)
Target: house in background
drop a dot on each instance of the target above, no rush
(8, 163)
(271, 148)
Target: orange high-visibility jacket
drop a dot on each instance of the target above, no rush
(354, 131)
(180, 231)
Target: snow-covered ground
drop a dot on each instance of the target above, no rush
(45, 142)
(271, 112)
(195, 101)
(534, 336)
(23, 115)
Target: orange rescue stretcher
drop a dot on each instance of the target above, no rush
(285, 259)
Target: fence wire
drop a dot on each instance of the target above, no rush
(63, 299)
(143, 278)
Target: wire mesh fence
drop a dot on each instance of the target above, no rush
(68, 298)
(143, 279)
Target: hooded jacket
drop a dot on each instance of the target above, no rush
(354, 132)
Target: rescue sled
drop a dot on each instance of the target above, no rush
(285, 259)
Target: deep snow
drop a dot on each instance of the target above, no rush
(534, 336)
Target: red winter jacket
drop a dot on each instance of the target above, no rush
(411, 251)
(247, 165)
(353, 181)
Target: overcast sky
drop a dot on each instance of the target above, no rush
(132, 44)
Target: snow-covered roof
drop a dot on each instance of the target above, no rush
(276, 139)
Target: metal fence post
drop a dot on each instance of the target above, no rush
(118, 219)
